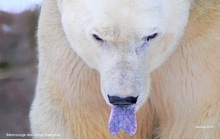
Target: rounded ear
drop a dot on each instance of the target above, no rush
(18, 6)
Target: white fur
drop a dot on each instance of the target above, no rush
(18, 6)
(122, 25)
(176, 77)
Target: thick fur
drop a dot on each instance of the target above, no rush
(184, 102)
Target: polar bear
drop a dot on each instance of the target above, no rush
(157, 60)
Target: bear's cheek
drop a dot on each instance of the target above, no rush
(81, 44)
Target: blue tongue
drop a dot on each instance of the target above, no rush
(123, 118)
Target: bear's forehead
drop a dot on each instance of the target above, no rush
(131, 5)
(124, 22)
(124, 31)
(125, 9)
(125, 17)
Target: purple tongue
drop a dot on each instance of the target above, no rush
(122, 118)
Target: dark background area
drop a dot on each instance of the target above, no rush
(18, 71)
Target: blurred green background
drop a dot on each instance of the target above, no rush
(18, 71)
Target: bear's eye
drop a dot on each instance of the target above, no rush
(97, 38)
(150, 37)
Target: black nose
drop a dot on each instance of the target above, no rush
(115, 100)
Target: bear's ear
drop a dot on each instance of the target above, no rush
(18, 6)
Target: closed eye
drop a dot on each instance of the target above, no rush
(97, 38)
(150, 37)
(146, 39)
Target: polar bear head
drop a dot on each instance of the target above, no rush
(125, 40)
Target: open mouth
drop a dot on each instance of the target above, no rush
(123, 118)
(123, 115)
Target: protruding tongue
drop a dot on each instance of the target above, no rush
(123, 118)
